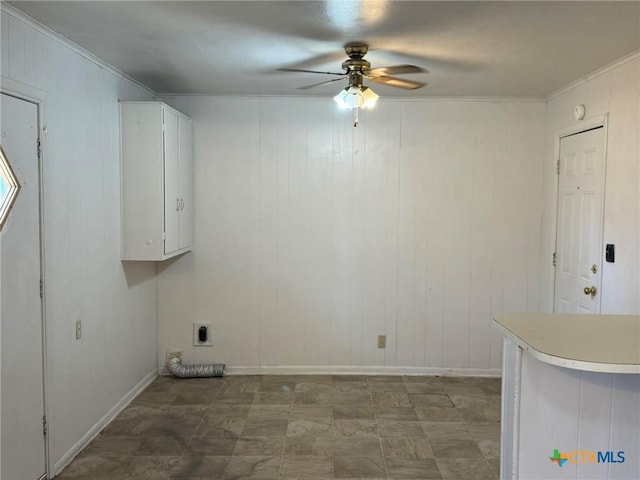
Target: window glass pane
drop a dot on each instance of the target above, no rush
(3, 188)
(9, 187)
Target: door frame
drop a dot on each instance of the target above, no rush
(36, 97)
(584, 126)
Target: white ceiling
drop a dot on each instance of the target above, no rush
(513, 49)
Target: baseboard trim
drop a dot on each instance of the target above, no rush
(361, 370)
(103, 422)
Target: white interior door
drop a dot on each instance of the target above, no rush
(580, 223)
(23, 441)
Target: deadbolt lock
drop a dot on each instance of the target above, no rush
(590, 291)
(594, 269)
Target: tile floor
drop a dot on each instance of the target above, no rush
(301, 427)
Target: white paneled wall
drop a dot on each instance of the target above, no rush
(614, 92)
(312, 238)
(84, 277)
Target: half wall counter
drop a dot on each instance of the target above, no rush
(570, 396)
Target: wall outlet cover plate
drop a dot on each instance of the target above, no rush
(196, 329)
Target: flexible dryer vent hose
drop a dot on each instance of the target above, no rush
(174, 365)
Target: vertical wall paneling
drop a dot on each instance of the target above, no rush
(211, 231)
(483, 240)
(561, 393)
(84, 278)
(625, 416)
(314, 237)
(391, 244)
(594, 417)
(17, 58)
(359, 177)
(436, 238)
(271, 128)
(4, 45)
(406, 249)
(320, 263)
(243, 231)
(343, 232)
(379, 207)
(622, 191)
(293, 205)
(457, 229)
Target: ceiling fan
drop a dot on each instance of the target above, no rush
(356, 95)
(356, 68)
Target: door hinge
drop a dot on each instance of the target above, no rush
(555, 259)
(164, 236)
(45, 427)
(39, 149)
(41, 289)
(558, 167)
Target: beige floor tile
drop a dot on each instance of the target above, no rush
(251, 446)
(252, 467)
(413, 468)
(308, 445)
(358, 467)
(465, 469)
(406, 448)
(306, 467)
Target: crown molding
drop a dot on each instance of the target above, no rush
(56, 37)
(595, 74)
(384, 99)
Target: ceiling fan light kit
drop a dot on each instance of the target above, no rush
(356, 97)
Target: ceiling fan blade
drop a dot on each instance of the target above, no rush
(395, 70)
(309, 71)
(450, 63)
(321, 60)
(398, 82)
(307, 87)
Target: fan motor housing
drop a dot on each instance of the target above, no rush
(355, 65)
(356, 49)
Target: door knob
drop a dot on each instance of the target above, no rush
(590, 291)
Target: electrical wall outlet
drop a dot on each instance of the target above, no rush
(202, 338)
(78, 329)
(174, 354)
(382, 341)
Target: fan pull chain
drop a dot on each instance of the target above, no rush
(356, 119)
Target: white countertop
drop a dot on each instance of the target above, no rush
(594, 343)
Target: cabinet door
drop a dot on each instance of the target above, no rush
(186, 183)
(172, 202)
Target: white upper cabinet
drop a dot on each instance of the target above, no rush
(157, 181)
